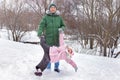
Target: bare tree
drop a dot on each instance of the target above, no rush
(100, 20)
(38, 6)
(15, 19)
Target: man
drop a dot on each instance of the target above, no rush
(49, 27)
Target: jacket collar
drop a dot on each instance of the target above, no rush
(55, 14)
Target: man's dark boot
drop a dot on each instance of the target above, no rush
(38, 72)
(57, 70)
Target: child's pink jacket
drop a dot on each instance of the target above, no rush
(59, 53)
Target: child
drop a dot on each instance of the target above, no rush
(54, 54)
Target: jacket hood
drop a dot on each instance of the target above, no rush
(49, 13)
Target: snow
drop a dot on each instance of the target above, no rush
(18, 61)
(3, 34)
(30, 37)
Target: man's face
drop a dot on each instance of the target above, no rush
(52, 9)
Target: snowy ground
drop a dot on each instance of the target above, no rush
(17, 62)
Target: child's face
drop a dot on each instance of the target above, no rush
(70, 50)
(52, 9)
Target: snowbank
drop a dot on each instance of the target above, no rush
(18, 62)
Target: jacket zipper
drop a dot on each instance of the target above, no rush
(53, 28)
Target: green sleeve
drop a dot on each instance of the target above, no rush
(62, 24)
(41, 26)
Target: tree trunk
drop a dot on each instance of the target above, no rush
(91, 43)
(105, 50)
(117, 55)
